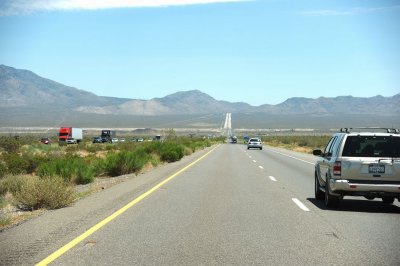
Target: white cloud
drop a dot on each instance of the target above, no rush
(14, 7)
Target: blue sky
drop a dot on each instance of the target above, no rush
(256, 51)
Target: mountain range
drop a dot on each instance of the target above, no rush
(23, 92)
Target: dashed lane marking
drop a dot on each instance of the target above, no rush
(300, 205)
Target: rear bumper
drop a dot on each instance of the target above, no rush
(254, 146)
(347, 187)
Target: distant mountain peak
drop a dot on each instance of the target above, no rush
(188, 94)
(25, 89)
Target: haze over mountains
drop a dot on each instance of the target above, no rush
(23, 93)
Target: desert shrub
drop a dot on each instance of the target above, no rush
(199, 144)
(111, 147)
(70, 168)
(3, 169)
(187, 150)
(127, 146)
(5, 219)
(10, 144)
(15, 163)
(171, 152)
(72, 148)
(96, 147)
(12, 184)
(47, 192)
(153, 147)
(126, 162)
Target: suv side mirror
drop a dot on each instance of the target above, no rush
(317, 152)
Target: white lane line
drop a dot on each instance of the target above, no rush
(261, 167)
(300, 204)
(272, 178)
(291, 157)
(254, 161)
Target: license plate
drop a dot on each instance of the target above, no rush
(376, 169)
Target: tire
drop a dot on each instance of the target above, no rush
(331, 201)
(319, 194)
(260, 149)
(388, 200)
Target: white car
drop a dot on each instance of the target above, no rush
(71, 141)
(254, 143)
(114, 140)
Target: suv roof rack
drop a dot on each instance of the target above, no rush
(387, 130)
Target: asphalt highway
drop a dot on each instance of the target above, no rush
(226, 205)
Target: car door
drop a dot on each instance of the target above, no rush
(325, 163)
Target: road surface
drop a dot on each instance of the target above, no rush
(229, 205)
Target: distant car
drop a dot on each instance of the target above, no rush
(71, 141)
(132, 139)
(105, 139)
(233, 139)
(254, 143)
(140, 139)
(45, 141)
(114, 140)
(121, 140)
(97, 140)
(246, 138)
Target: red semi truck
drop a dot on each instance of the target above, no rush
(69, 133)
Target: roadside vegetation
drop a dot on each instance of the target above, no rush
(35, 176)
(297, 143)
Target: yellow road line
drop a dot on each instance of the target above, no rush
(96, 227)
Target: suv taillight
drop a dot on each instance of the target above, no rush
(337, 168)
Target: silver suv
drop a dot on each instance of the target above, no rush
(363, 163)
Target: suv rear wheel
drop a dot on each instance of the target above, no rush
(319, 194)
(331, 201)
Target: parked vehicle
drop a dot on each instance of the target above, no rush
(254, 143)
(70, 132)
(97, 140)
(114, 140)
(71, 141)
(45, 141)
(359, 163)
(107, 135)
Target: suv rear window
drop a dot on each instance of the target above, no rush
(372, 146)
